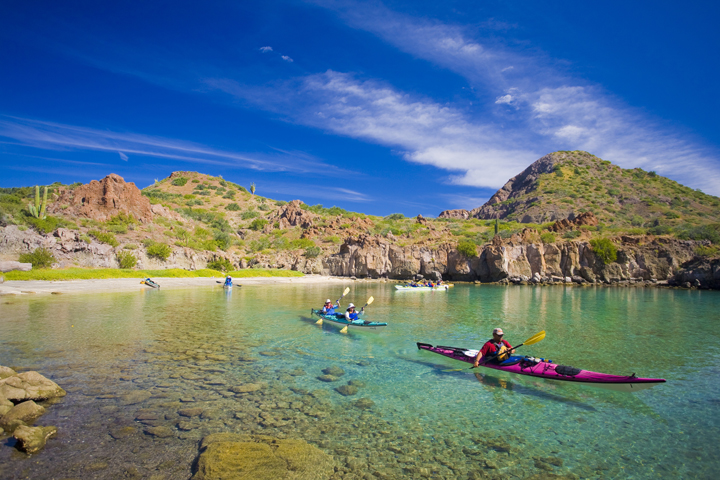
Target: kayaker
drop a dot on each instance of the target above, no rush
(496, 347)
(228, 281)
(351, 315)
(329, 308)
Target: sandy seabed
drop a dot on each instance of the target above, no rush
(23, 287)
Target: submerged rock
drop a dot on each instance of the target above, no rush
(364, 403)
(32, 439)
(347, 390)
(328, 378)
(334, 371)
(229, 456)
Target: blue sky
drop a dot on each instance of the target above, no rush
(378, 107)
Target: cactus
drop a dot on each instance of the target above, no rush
(252, 188)
(38, 210)
(497, 227)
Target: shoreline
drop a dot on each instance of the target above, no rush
(57, 287)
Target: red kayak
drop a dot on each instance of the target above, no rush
(536, 367)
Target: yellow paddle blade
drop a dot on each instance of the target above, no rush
(370, 300)
(319, 322)
(344, 329)
(346, 291)
(535, 338)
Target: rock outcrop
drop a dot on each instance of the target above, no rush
(291, 215)
(586, 218)
(29, 386)
(698, 272)
(100, 200)
(10, 266)
(458, 213)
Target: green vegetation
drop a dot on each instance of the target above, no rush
(312, 252)
(38, 210)
(159, 250)
(468, 248)
(126, 260)
(99, 273)
(40, 258)
(104, 237)
(258, 224)
(252, 188)
(220, 264)
(604, 250)
(547, 237)
(233, 207)
(180, 181)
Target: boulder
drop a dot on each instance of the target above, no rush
(9, 266)
(32, 439)
(29, 386)
(6, 372)
(458, 213)
(228, 456)
(24, 413)
(5, 406)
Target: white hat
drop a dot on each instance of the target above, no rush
(328, 301)
(351, 305)
(498, 331)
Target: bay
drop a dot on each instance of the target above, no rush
(148, 374)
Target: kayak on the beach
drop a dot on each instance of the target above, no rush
(149, 283)
(408, 288)
(536, 367)
(339, 319)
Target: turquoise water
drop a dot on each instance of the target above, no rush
(132, 361)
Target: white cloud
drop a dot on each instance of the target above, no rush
(286, 58)
(266, 49)
(505, 99)
(55, 136)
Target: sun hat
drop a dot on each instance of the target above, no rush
(328, 301)
(352, 305)
(498, 331)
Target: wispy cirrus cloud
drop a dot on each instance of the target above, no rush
(552, 110)
(55, 136)
(424, 131)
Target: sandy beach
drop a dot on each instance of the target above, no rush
(17, 287)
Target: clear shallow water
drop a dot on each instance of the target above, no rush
(131, 362)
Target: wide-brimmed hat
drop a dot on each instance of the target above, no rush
(328, 301)
(351, 305)
(498, 331)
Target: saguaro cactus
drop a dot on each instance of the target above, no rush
(252, 188)
(497, 226)
(38, 210)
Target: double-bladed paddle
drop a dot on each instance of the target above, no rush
(345, 292)
(370, 300)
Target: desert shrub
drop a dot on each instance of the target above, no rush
(40, 258)
(707, 251)
(119, 229)
(547, 237)
(220, 264)
(333, 239)
(263, 243)
(233, 207)
(312, 252)
(159, 250)
(222, 240)
(195, 180)
(604, 250)
(264, 207)
(180, 181)
(702, 232)
(395, 216)
(45, 225)
(280, 203)
(247, 215)
(126, 260)
(467, 248)
(130, 246)
(302, 243)
(104, 237)
(571, 234)
(672, 214)
(659, 230)
(230, 195)
(258, 224)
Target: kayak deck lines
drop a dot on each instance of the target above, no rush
(535, 367)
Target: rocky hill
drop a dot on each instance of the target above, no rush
(192, 220)
(565, 184)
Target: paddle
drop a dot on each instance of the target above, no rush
(345, 292)
(534, 339)
(370, 300)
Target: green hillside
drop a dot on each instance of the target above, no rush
(564, 184)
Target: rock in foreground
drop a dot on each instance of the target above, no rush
(29, 386)
(32, 439)
(228, 457)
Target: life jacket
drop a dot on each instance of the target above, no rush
(501, 351)
(351, 316)
(329, 310)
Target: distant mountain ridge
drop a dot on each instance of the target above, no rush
(564, 184)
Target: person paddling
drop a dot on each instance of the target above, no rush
(329, 308)
(228, 281)
(495, 348)
(351, 315)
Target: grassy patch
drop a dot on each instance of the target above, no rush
(258, 272)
